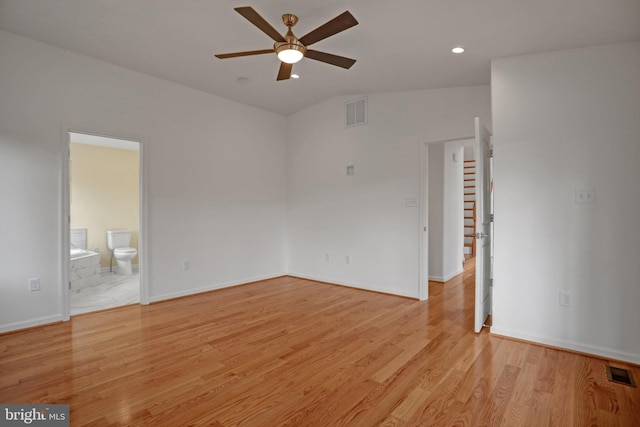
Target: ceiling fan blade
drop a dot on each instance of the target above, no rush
(336, 25)
(329, 58)
(285, 71)
(247, 53)
(252, 16)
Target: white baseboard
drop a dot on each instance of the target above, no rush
(355, 285)
(193, 291)
(447, 277)
(30, 323)
(598, 351)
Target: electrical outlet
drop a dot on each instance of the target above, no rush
(347, 259)
(584, 196)
(34, 284)
(186, 265)
(565, 299)
(326, 257)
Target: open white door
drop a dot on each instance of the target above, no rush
(483, 224)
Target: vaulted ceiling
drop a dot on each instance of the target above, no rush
(399, 45)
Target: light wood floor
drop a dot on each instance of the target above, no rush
(290, 352)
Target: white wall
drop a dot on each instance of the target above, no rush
(215, 176)
(566, 121)
(435, 181)
(364, 216)
(453, 241)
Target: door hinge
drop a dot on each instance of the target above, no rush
(491, 217)
(491, 152)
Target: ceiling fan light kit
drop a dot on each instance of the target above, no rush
(290, 54)
(290, 51)
(289, 48)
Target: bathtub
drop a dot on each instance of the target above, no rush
(84, 268)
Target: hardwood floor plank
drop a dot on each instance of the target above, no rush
(408, 352)
(391, 421)
(584, 392)
(469, 413)
(440, 400)
(518, 410)
(496, 406)
(562, 391)
(291, 352)
(628, 397)
(479, 369)
(539, 409)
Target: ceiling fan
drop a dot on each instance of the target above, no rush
(291, 49)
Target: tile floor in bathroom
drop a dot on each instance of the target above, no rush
(112, 291)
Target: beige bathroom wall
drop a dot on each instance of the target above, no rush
(104, 194)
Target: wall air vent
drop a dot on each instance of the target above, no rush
(356, 112)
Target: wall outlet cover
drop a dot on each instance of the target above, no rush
(584, 196)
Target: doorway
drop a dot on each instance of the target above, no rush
(457, 215)
(448, 206)
(104, 223)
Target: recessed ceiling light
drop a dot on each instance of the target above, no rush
(457, 49)
(295, 76)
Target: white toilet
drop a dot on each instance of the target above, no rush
(118, 241)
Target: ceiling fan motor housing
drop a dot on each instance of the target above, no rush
(291, 44)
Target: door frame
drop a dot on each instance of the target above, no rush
(423, 280)
(65, 209)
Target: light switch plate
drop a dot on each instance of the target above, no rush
(34, 284)
(565, 299)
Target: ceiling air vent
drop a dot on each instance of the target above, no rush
(356, 112)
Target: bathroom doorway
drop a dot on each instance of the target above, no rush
(104, 177)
